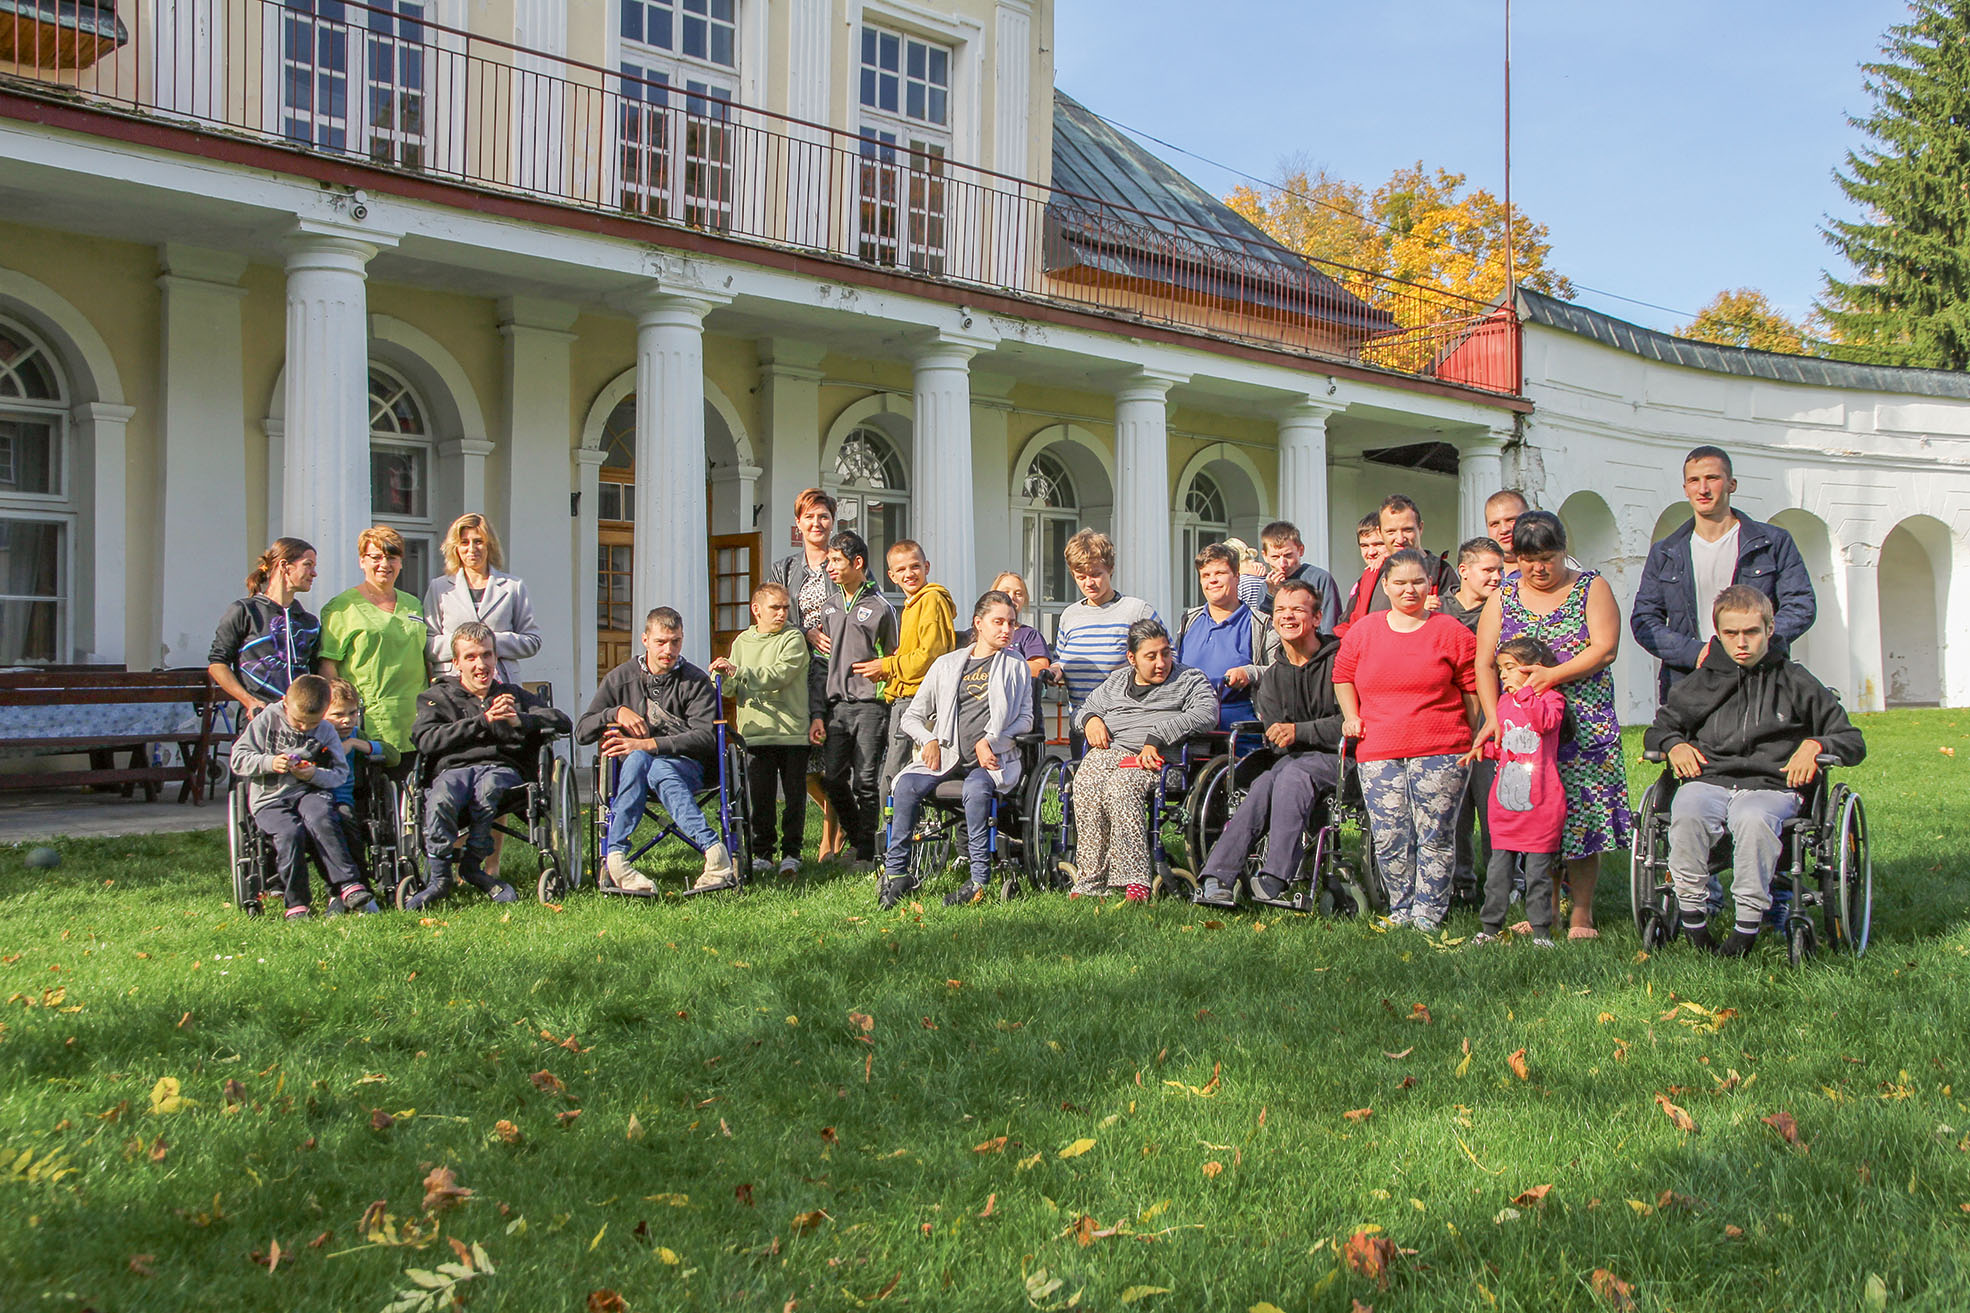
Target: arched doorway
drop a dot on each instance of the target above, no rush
(1592, 537)
(1672, 519)
(1913, 577)
(1823, 649)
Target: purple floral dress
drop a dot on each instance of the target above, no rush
(1597, 816)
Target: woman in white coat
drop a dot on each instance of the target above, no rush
(473, 587)
(971, 705)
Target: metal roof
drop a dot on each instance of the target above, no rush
(1538, 308)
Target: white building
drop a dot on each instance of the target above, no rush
(628, 276)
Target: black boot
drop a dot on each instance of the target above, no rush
(437, 883)
(1696, 929)
(471, 872)
(1741, 940)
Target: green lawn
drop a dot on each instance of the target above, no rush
(747, 1140)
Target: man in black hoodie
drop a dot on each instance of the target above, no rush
(477, 737)
(1295, 702)
(1742, 732)
(659, 714)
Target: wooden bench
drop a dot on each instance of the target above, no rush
(99, 686)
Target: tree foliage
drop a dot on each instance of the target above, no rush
(1745, 317)
(1907, 300)
(1421, 226)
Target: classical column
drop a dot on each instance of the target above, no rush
(325, 472)
(201, 473)
(672, 552)
(539, 523)
(790, 414)
(102, 549)
(942, 489)
(1480, 472)
(1303, 474)
(1866, 677)
(1143, 544)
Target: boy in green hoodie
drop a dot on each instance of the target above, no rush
(924, 632)
(767, 676)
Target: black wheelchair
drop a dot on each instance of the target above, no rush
(377, 840)
(1169, 815)
(1824, 862)
(542, 812)
(728, 792)
(1031, 829)
(1334, 872)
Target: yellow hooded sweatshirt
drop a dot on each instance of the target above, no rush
(924, 633)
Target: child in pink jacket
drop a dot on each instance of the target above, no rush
(1527, 805)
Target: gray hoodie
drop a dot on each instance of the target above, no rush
(269, 735)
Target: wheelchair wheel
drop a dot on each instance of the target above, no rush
(1655, 931)
(1648, 853)
(1799, 939)
(1214, 796)
(1174, 882)
(1852, 911)
(1049, 824)
(560, 871)
(930, 855)
(245, 854)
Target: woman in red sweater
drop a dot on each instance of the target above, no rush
(1406, 682)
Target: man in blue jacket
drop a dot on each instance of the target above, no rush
(1718, 548)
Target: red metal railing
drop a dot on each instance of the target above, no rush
(383, 86)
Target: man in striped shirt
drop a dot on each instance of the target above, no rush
(1093, 639)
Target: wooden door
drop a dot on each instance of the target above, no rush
(615, 626)
(735, 569)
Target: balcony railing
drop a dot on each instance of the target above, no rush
(382, 85)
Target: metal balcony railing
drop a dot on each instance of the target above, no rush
(380, 84)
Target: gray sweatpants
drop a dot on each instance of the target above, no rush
(1698, 817)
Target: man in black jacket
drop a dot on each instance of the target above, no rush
(1302, 722)
(659, 714)
(477, 736)
(1743, 732)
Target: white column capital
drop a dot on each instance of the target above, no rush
(589, 457)
(101, 412)
(790, 358)
(339, 247)
(1149, 385)
(1307, 412)
(673, 307)
(1489, 443)
(950, 350)
(478, 447)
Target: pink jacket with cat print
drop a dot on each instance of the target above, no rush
(1528, 803)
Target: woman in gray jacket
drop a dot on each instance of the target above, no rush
(1151, 704)
(473, 587)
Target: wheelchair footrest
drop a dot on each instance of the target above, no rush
(616, 891)
(722, 887)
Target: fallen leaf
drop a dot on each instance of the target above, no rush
(507, 1132)
(140, 1264)
(1874, 1295)
(862, 1019)
(1034, 1161)
(158, 1149)
(442, 1190)
(1211, 1170)
(273, 1256)
(991, 1202)
(372, 1218)
(634, 1131)
(380, 1120)
(828, 1134)
(1532, 1197)
(1682, 1120)
(1076, 1149)
(1417, 1012)
(668, 1257)
(1787, 1128)
(1670, 1201)
(743, 1193)
(1265, 1306)
(1134, 1293)
(1368, 1254)
(606, 1301)
(1619, 1294)
(567, 1118)
(164, 1097)
(804, 1222)
(235, 1092)
(1356, 1306)
(547, 1082)
(1733, 1232)
(993, 1145)
(1358, 1114)
(1517, 1063)
(1399, 1056)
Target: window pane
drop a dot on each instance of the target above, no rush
(632, 21)
(397, 484)
(31, 587)
(417, 565)
(917, 56)
(940, 66)
(940, 109)
(721, 46)
(868, 86)
(25, 372)
(30, 455)
(913, 105)
(869, 46)
(889, 48)
(608, 501)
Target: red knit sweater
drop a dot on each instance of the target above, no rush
(1410, 686)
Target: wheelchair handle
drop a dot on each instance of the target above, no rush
(1650, 754)
(1825, 759)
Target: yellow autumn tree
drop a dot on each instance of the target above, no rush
(1746, 317)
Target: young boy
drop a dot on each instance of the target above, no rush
(1285, 555)
(972, 705)
(767, 676)
(477, 736)
(861, 628)
(294, 763)
(658, 713)
(1743, 732)
(1368, 539)
(924, 633)
(345, 711)
(1480, 570)
(1092, 641)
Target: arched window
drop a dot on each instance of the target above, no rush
(37, 517)
(1205, 521)
(400, 461)
(1051, 517)
(872, 494)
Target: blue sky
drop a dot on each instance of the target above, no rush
(1673, 148)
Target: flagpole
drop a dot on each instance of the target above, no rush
(1510, 271)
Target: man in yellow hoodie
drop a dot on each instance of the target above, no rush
(924, 633)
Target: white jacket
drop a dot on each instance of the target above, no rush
(1009, 698)
(503, 608)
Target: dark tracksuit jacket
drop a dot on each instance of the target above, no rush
(1303, 695)
(1749, 722)
(1664, 617)
(451, 729)
(680, 705)
(859, 628)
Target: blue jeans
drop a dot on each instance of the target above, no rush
(465, 798)
(906, 798)
(676, 781)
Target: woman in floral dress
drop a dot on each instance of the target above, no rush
(1574, 613)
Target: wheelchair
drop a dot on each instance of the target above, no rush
(728, 791)
(1031, 831)
(542, 812)
(1824, 861)
(1334, 873)
(379, 844)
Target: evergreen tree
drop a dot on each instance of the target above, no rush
(1908, 299)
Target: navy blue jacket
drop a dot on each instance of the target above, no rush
(1664, 619)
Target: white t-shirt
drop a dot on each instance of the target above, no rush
(1712, 566)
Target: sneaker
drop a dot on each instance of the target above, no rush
(971, 891)
(1400, 917)
(502, 892)
(890, 892)
(789, 866)
(1214, 893)
(1136, 893)
(1424, 925)
(626, 877)
(1269, 889)
(1483, 937)
(299, 913)
(718, 867)
(762, 866)
(1540, 939)
(334, 908)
